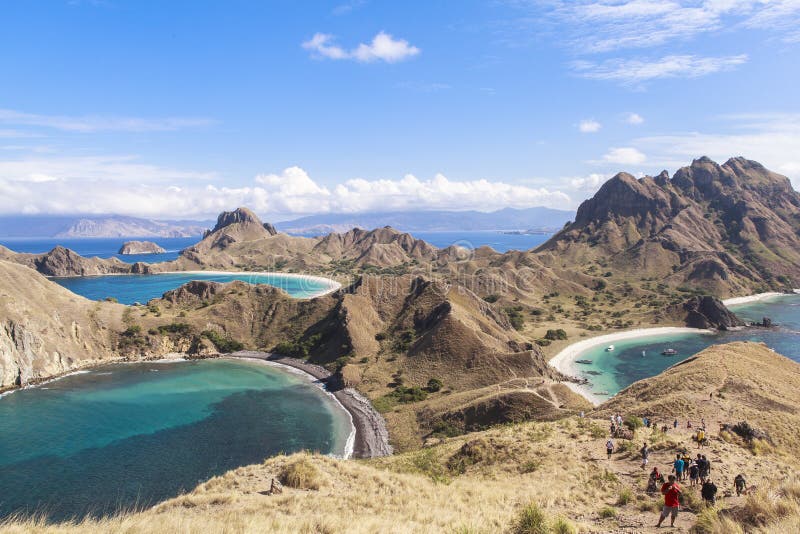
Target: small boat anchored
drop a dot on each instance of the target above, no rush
(585, 362)
(669, 352)
(610, 348)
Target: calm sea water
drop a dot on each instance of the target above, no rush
(108, 247)
(498, 241)
(626, 364)
(101, 247)
(130, 288)
(130, 435)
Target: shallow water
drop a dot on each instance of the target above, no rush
(128, 289)
(133, 434)
(627, 363)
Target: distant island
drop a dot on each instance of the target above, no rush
(141, 247)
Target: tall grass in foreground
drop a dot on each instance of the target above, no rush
(767, 510)
(533, 520)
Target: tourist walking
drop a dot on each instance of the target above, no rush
(677, 467)
(609, 448)
(740, 485)
(709, 492)
(671, 492)
(694, 474)
(645, 455)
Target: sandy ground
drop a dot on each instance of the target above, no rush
(371, 437)
(754, 298)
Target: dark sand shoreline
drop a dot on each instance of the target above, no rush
(372, 438)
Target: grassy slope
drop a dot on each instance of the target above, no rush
(559, 465)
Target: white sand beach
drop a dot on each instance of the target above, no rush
(735, 301)
(331, 285)
(564, 361)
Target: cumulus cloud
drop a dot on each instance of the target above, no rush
(634, 118)
(589, 126)
(624, 156)
(639, 71)
(589, 184)
(84, 187)
(94, 123)
(383, 47)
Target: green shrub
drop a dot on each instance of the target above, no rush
(491, 299)
(175, 328)
(223, 344)
(434, 385)
(112, 299)
(557, 334)
(515, 317)
(608, 512)
(132, 331)
(531, 520)
(633, 422)
(543, 342)
(625, 497)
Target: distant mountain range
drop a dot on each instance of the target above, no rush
(536, 219)
(97, 226)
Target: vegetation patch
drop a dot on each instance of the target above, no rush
(300, 474)
(224, 344)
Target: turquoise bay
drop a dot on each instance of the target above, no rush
(640, 358)
(129, 435)
(131, 288)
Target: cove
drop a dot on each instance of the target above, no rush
(640, 358)
(131, 288)
(130, 435)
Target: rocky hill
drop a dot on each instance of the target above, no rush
(140, 247)
(45, 330)
(729, 229)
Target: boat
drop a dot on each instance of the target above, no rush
(670, 352)
(601, 392)
(644, 353)
(610, 348)
(585, 362)
(594, 373)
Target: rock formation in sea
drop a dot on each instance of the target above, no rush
(707, 312)
(141, 247)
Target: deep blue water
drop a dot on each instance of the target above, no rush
(130, 288)
(133, 434)
(472, 240)
(626, 364)
(102, 247)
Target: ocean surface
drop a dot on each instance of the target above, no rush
(102, 247)
(472, 240)
(130, 288)
(637, 359)
(108, 247)
(128, 435)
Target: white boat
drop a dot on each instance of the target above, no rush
(610, 348)
(670, 352)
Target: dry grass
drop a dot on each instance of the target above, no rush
(300, 474)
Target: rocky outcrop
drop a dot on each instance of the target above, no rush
(729, 229)
(707, 312)
(141, 247)
(45, 330)
(64, 262)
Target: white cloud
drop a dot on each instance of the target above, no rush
(639, 71)
(119, 185)
(589, 126)
(98, 123)
(600, 26)
(634, 118)
(770, 138)
(624, 156)
(383, 47)
(589, 184)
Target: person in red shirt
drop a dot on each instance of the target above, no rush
(671, 492)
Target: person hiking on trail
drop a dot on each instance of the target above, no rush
(687, 462)
(740, 484)
(705, 470)
(701, 436)
(675, 424)
(653, 480)
(677, 467)
(609, 448)
(709, 492)
(645, 455)
(688, 424)
(671, 492)
(694, 474)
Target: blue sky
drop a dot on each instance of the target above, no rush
(187, 108)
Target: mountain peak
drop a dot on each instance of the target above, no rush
(239, 215)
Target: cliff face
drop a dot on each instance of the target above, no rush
(46, 330)
(731, 228)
